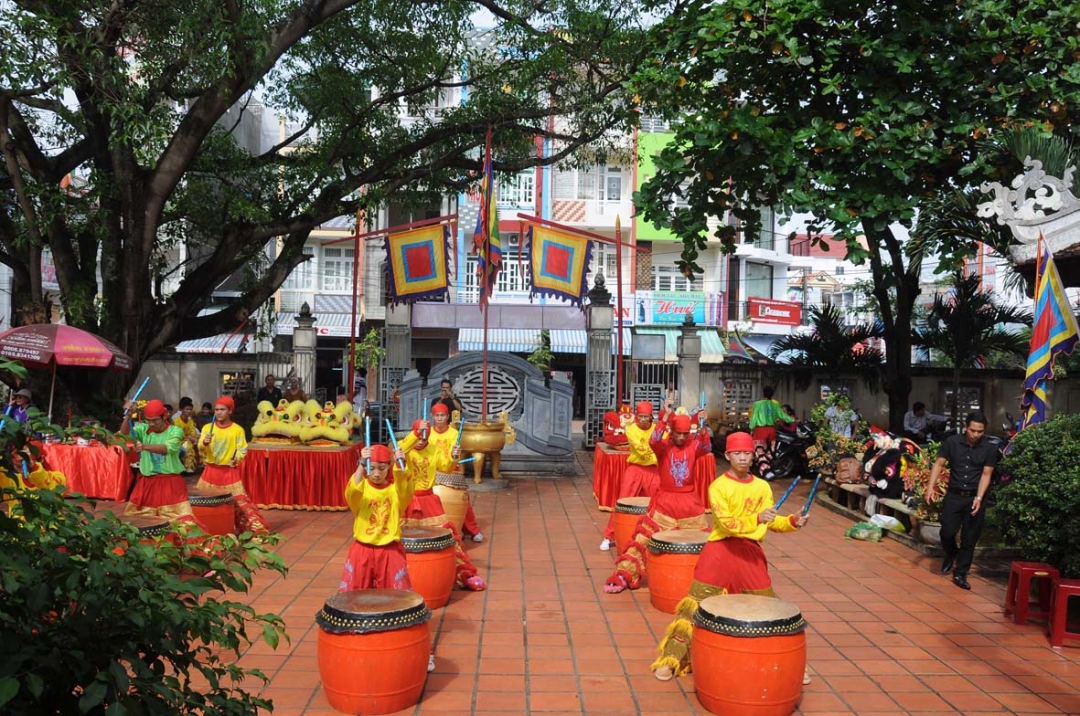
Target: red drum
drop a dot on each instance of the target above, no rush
(214, 509)
(429, 552)
(748, 655)
(454, 496)
(673, 555)
(628, 510)
(149, 527)
(373, 647)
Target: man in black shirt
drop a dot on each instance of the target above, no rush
(269, 392)
(972, 459)
(447, 397)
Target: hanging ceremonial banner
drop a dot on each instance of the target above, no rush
(560, 262)
(418, 264)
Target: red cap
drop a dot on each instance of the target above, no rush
(416, 428)
(644, 407)
(440, 409)
(739, 442)
(227, 401)
(154, 409)
(381, 453)
(680, 424)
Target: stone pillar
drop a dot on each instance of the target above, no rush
(397, 340)
(599, 370)
(304, 349)
(689, 351)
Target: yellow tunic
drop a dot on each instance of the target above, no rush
(225, 443)
(377, 510)
(188, 426)
(444, 442)
(735, 507)
(641, 452)
(421, 465)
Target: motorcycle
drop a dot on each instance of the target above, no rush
(789, 454)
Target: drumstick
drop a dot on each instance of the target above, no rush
(787, 492)
(423, 433)
(367, 439)
(813, 491)
(468, 459)
(135, 397)
(6, 414)
(393, 441)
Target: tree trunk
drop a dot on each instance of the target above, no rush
(956, 399)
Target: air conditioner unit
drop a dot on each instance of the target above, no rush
(513, 241)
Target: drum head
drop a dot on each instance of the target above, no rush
(749, 615)
(150, 526)
(208, 498)
(678, 541)
(426, 539)
(369, 610)
(633, 505)
(451, 479)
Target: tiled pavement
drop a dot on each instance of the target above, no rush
(888, 635)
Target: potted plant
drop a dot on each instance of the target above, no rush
(916, 480)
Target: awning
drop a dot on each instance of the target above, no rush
(224, 343)
(326, 324)
(503, 340)
(576, 341)
(764, 344)
(712, 350)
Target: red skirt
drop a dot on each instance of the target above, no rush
(764, 434)
(676, 505)
(159, 491)
(639, 481)
(369, 567)
(735, 565)
(425, 504)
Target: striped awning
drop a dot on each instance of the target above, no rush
(502, 340)
(576, 341)
(326, 324)
(224, 343)
(712, 349)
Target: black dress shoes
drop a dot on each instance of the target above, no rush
(947, 565)
(961, 581)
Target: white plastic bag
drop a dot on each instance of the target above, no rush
(887, 522)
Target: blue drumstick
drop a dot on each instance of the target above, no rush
(367, 439)
(787, 492)
(468, 459)
(813, 491)
(6, 414)
(393, 441)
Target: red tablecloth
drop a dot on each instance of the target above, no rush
(297, 477)
(609, 464)
(99, 471)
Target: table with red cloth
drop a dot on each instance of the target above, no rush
(299, 477)
(609, 463)
(96, 470)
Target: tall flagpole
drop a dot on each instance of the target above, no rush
(485, 240)
(350, 387)
(618, 313)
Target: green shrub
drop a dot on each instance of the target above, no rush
(95, 621)
(1036, 507)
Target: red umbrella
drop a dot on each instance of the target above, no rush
(45, 345)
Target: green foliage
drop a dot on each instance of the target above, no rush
(917, 479)
(833, 347)
(542, 356)
(1036, 508)
(96, 620)
(369, 351)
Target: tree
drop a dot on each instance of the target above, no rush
(854, 113)
(832, 347)
(966, 325)
(115, 134)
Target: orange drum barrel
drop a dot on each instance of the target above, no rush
(628, 510)
(673, 555)
(429, 552)
(214, 509)
(373, 647)
(454, 494)
(748, 655)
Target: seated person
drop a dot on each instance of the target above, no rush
(920, 425)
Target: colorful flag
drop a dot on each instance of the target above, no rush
(560, 262)
(486, 236)
(737, 349)
(1054, 332)
(417, 264)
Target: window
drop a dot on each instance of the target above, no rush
(519, 189)
(303, 276)
(603, 260)
(767, 238)
(670, 278)
(511, 277)
(337, 269)
(838, 271)
(613, 184)
(759, 280)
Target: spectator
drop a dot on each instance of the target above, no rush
(360, 392)
(19, 403)
(841, 417)
(294, 391)
(205, 416)
(269, 392)
(447, 397)
(920, 425)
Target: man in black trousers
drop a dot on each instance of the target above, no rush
(972, 459)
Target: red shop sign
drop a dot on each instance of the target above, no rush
(784, 313)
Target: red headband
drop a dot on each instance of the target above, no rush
(380, 453)
(644, 407)
(680, 424)
(440, 408)
(154, 409)
(227, 401)
(739, 442)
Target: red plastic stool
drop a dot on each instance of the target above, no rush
(1018, 593)
(1059, 611)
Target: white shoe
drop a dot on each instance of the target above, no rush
(605, 545)
(431, 663)
(478, 537)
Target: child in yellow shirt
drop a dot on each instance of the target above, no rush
(223, 445)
